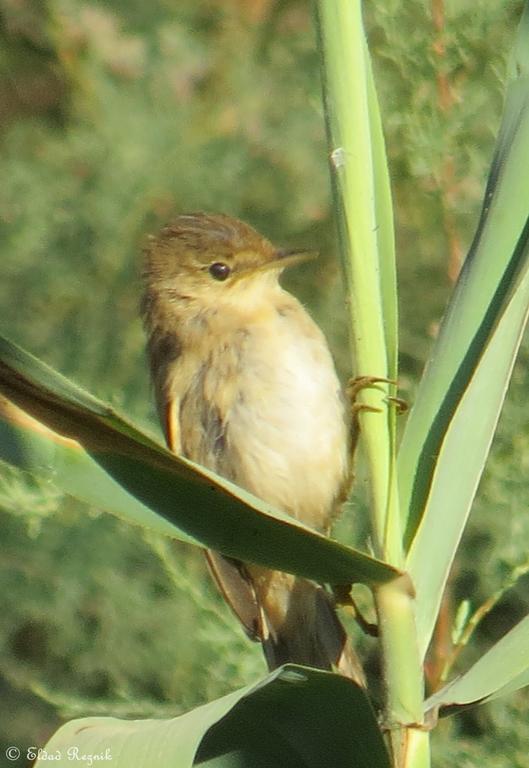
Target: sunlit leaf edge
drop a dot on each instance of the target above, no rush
(230, 520)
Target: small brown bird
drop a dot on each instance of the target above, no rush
(245, 385)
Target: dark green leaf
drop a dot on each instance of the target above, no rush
(295, 718)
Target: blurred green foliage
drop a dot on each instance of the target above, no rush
(114, 115)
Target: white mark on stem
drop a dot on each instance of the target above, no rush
(338, 158)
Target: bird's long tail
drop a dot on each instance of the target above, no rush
(300, 625)
(294, 619)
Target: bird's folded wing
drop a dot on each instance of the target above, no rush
(237, 590)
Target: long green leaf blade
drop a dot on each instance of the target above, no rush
(204, 506)
(460, 464)
(450, 429)
(493, 266)
(295, 718)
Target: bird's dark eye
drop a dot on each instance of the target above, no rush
(219, 271)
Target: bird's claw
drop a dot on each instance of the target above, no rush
(358, 383)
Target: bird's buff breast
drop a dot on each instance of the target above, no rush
(264, 409)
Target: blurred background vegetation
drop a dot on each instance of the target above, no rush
(113, 116)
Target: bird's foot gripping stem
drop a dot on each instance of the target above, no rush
(353, 388)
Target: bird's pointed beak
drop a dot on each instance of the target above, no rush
(294, 256)
(280, 259)
(284, 258)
